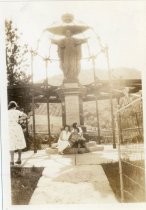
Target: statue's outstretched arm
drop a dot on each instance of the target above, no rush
(58, 42)
(53, 41)
(80, 41)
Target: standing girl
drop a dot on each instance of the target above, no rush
(16, 136)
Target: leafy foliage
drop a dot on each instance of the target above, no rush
(16, 56)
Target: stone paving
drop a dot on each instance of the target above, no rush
(72, 179)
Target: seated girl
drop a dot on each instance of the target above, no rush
(63, 141)
(76, 140)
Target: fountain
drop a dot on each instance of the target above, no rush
(71, 91)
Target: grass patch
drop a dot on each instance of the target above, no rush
(112, 172)
(135, 174)
(23, 182)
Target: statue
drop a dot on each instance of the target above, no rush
(69, 48)
(69, 52)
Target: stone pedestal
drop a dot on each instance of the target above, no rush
(71, 95)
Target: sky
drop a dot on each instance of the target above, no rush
(120, 24)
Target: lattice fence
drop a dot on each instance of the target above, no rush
(131, 151)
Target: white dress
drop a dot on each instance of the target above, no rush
(63, 142)
(16, 136)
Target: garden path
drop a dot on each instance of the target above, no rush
(72, 179)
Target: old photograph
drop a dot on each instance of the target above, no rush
(74, 101)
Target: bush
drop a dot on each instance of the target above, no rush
(40, 139)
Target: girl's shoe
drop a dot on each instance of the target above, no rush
(61, 153)
(11, 163)
(18, 162)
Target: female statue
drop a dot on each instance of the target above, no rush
(69, 52)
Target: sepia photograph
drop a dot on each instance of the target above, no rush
(72, 102)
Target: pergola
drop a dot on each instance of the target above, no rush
(24, 94)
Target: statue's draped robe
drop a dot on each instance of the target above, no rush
(69, 51)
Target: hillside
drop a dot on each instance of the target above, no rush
(89, 108)
(90, 118)
(86, 76)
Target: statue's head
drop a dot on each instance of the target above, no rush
(68, 33)
(67, 18)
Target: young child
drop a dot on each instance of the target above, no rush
(74, 137)
(76, 140)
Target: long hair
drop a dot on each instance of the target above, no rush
(74, 125)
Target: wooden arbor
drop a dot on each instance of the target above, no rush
(23, 94)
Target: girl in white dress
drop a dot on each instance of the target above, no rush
(16, 136)
(63, 142)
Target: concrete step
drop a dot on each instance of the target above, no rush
(75, 150)
(91, 144)
(51, 151)
(95, 148)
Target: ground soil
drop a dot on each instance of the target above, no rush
(23, 183)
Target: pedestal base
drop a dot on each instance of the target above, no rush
(72, 107)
